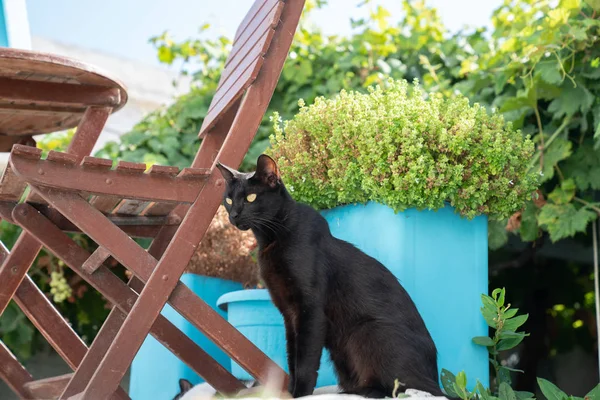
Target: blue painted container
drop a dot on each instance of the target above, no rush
(155, 371)
(441, 260)
(3, 30)
(253, 313)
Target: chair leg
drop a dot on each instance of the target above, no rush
(190, 306)
(155, 294)
(118, 293)
(50, 323)
(13, 373)
(15, 266)
(100, 345)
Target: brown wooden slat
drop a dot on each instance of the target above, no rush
(24, 151)
(247, 60)
(14, 268)
(163, 169)
(105, 204)
(134, 186)
(127, 166)
(49, 322)
(158, 209)
(141, 227)
(88, 131)
(116, 291)
(257, 6)
(31, 65)
(49, 388)
(229, 99)
(268, 17)
(17, 91)
(11, 187)
(13, 373)
(60, 157)
(195, 173)
(95, 162)
(98, 257)
(130, 207)
(25, 123)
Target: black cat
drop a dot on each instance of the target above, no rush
(330, 293)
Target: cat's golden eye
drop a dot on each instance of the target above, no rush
(228, 201)
(251, 197)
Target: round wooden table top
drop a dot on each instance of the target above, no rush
(43, 93)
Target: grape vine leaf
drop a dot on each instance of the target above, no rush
(559, 150)
(584, 167)
(564, 220)
(563, 194)
(497, 234)
(550, 72)
(572, 100)
(529, 226)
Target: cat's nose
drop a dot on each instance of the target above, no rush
(233, 214)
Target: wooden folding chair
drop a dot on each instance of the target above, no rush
(175, 208)
(42, 93)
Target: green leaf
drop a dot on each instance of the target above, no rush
(594, 394)
(448, 379)
(510, 334)
(529, 229)
(507, 344)
(497, 234)
(550, 72)
(514, 323)
(584, 167)
(510, 313)
(558, 150)
(563, 221)
(483, 392)
(501, 298)
(595, 4)
(522, 395)
(504, 375)
(461, 380)
(483, 341)
(565, 193)
(505, 392)
(572, 100)
(166, 55)
(597, 123)
(551, 391)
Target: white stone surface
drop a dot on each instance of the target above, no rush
(204, 392)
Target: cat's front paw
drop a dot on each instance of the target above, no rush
(291, 385)
(301, 391)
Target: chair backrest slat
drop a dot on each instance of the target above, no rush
(254, 31)
(251, 43)
(257, 9)
(230, 96)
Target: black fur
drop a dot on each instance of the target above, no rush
(184, 387)
(330, 294)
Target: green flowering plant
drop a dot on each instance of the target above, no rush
(402, 147)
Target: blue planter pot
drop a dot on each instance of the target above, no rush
(441, 260)
(253, 313)
(155, 371)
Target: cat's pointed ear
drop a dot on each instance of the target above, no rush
(228, 173)
(185, 385)
(267, 171)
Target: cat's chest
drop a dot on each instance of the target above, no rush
(275, 271)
